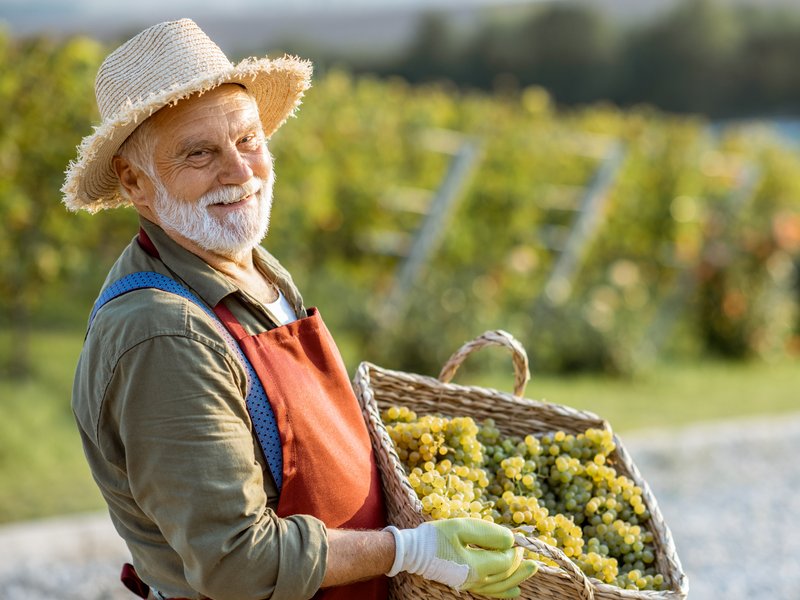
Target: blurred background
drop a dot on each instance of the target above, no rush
(614, 182)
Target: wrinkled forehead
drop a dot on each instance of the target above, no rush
(229, 101)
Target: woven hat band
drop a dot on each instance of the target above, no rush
(166, 56)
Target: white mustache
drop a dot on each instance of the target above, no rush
(229, 194)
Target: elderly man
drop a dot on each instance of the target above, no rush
(214, 408)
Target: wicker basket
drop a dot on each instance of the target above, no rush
(378, 389)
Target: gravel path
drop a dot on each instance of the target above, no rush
(730, 493)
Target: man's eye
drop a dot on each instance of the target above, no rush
(196, 153)
(250, 140)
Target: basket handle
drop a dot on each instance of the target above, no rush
(498, 337)
(584, 589)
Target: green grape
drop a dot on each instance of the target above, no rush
(563, 485)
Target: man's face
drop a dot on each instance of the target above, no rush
(213, 172)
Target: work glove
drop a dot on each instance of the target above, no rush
(467, 554)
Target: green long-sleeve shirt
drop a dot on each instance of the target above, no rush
(159, 401)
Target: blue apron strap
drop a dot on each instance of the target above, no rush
(256, 400)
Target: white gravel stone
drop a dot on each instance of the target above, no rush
(730, 493)
(68, 558)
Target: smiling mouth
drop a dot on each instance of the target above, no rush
(233, 201)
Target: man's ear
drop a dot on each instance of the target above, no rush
(133, 180)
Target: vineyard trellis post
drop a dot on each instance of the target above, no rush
(430, 232)
(588, 218)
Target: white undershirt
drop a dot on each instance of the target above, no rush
(282, 310)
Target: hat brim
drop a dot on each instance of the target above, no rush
(277, 85)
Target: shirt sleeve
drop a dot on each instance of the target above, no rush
(191, 463)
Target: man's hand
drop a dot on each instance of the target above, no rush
(467, 554)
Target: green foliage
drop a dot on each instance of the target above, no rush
(46, 109)
(356, 171)
(748, 297)
(641, 276)
(47, 99)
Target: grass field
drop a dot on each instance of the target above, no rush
(42, 470)
(671, 395)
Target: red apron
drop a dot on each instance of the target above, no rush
(329, 469)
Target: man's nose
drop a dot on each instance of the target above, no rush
(235, 169)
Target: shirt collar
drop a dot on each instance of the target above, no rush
(211, 285)
(206, 281)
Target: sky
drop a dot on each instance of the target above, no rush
(30, 14)
(25, 16)
(374, 24)
(47, 10)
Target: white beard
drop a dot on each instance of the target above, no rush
(235, 234)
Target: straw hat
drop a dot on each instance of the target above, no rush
(160, 66)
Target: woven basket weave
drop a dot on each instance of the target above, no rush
(378, 389)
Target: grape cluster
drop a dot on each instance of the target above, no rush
(561, 486)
